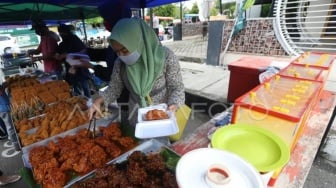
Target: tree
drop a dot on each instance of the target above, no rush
(230, 7)
(194, 9)
(97, 20)
(165, 10)
(214, 11)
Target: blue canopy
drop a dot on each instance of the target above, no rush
(132, 3)
(25, 10)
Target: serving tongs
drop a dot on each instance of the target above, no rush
(88, 131)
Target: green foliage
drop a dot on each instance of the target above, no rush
(230, 7)
(265, 10)
(214, 11)
(164, 23)
(165, 10)
(97, 20)
(178, 10)
(194, 9)
(217, 4)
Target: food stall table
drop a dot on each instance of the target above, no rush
(294, 174)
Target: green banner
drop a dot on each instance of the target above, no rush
(24, 36)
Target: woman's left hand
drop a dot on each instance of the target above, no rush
(172, 108)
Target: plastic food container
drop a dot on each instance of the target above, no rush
(305, 72)
(155, 128)
(315, 59)
(280, 105)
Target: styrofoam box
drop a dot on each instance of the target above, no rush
(155, 128)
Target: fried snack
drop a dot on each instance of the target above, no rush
(140, 170)
(112, 131)
(77, 154)
(156, 115)
(63, 95)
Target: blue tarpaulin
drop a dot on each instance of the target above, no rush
(25, 10)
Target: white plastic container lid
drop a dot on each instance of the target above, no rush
(192, 168)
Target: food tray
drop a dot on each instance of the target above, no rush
(155, 128)
(146, 147)
(111, 115)
(27, 172)
(26, 149)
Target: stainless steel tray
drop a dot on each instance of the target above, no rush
(148, 146)
(103, 122)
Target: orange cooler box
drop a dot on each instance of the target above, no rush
(244, 75)
(280, 105)
(315, 59)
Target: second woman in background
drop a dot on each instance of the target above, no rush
(78, 77)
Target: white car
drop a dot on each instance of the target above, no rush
(8, 44)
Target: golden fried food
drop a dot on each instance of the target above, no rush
(111, 131)
(156, 115)
(74, 153)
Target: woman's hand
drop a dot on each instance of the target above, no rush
(172, 108)
(95, 109)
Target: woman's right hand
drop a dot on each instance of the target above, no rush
(95, 108)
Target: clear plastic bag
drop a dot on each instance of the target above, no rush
(268, 73)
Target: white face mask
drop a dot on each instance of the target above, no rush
(131, 58)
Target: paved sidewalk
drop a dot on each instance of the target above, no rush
(189, 49)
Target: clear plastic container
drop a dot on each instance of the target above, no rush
(316, 59)
(280, 105)
(305, 72)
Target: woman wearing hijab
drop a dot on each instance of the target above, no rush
(150, 71)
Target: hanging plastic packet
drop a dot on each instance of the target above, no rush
(268, 73)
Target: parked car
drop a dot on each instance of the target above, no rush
(8, 44)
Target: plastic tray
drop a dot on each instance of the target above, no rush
(26, 149)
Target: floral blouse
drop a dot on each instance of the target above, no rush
(168, 87)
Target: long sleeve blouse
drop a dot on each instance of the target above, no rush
(168, 87)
